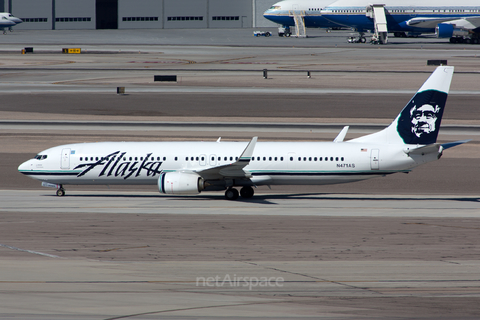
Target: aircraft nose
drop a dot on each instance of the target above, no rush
(26, 166)
(17, 20)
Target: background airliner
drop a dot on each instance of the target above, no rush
(191, 167)
(283, 13)
(7, 20)
(457, 20)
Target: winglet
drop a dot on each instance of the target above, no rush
(248, 152)
(341, 135)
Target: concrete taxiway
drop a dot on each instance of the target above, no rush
(403, 246)
(141, 256)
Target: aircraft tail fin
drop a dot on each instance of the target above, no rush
(419, 121)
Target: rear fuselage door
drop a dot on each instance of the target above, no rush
(375, 159)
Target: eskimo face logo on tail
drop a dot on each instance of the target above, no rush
(424, 119)
(420, 120)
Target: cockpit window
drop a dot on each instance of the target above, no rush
(40, 157)
(275, 7)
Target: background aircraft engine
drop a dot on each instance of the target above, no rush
(445, 30)
(180, 183)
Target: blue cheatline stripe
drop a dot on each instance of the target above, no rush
(45, 173)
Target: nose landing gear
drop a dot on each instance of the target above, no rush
(60, 191)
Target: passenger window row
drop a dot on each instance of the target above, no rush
(212, 158)
(203, 158)
(319, 159)
(124, 158)
(267, 159)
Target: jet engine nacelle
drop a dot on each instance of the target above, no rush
(180, 183)
(444, 30)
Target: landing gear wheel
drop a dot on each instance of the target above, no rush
(231, 194)
(246, 192)
(60, 192)
(362, 40)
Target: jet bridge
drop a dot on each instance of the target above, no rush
(378, 14)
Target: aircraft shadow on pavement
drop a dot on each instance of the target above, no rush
(270, 198)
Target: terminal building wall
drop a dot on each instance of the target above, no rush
(138, 14)
(74, 14)
(186, 14)
(35, 14)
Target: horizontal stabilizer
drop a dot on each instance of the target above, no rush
(431, 148)
(454, 144)
(434, 148)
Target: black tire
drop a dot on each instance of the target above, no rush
(231, 194)
(247, 192)
(60, 192)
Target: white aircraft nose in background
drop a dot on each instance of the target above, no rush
(5, 22)
(13, 18)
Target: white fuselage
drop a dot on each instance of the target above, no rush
(353, 13)
(7, 19)
(272, 162)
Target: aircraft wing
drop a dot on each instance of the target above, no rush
(232, 170)
(426, 22)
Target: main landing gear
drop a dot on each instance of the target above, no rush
(245, 192)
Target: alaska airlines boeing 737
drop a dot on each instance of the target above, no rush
(191, 167)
